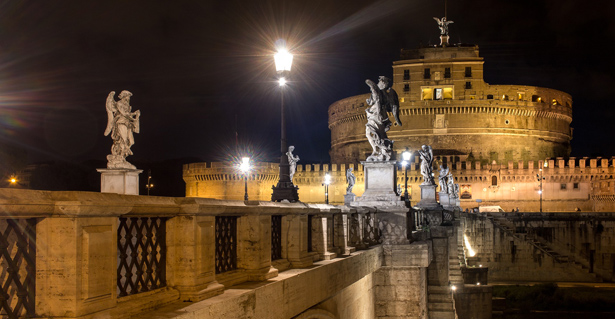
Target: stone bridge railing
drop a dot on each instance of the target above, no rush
(77, 254)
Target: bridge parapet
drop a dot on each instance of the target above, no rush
(76, 254)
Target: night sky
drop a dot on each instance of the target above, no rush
(203, 76)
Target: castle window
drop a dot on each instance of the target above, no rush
(468, 72)
(437, 94)
(427, 94)
(406, 75)
(555, 102)
(562, 186)
(489, 96)
(505, 97)
(494, 180)
(521, 96)
(575, 186)
(468, 85)
(447, 73)
(536, 98)
(427, 74)
(406, 87)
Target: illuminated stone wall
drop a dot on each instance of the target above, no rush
(541, 247)
(569, 185)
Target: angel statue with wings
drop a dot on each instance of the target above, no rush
(382, 100)
(426, 154)
(121, 123)
(443, 25)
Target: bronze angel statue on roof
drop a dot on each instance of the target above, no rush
(121, 123)
(382, 100)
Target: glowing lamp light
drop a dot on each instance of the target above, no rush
(471, 252)
(283, 60)
(404, 163)
(453, 287)
(13, 180)
(540, 191)
(245, 164)
(282, 81)
(478, 283)
(327, 179)
(406, 155)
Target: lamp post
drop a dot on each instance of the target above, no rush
(149, 184)
(245, 169)
(406, 155)
(326, 185)
(540, 178)
(285, 190)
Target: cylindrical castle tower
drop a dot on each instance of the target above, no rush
(445, 103)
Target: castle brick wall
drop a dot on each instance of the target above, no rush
(569, 184)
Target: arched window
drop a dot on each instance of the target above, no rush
(494, 180)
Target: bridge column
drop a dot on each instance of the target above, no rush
(191, 257)
(254, 247)
(323, 236)
(296, 247)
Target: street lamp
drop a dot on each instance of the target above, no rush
(285, 190)
(149, 184)
(406, 155)
(541, 178)
(245, 169)
(326, 185)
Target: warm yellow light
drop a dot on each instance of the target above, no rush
(283, 60)
(13, 180)
(245, 164)
(471, 252)
(327, 179)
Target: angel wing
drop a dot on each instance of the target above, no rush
(111, 108)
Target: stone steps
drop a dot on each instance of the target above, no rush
(441, 315)
(440, 306)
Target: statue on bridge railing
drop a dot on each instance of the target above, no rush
(292, 162)
(121, 123)
(426, 154)
(443, 178)
(351, 180)
(383, 100)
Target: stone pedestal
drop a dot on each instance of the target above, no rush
(428, 198)
(379, 185)
(349, 198)
(443, 40)
(119, 181)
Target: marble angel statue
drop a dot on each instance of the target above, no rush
(121, 124)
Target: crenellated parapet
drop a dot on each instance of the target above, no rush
(569, 183)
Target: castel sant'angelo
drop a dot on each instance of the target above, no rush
(505, 145)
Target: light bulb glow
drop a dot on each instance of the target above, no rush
(471, 252)
(282, 81)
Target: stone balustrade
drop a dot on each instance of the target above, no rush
(80, 254)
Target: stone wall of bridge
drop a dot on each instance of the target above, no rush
(542, 247)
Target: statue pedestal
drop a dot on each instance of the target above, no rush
(428, 198)
(349, 198)
(119, 181)
(446, 201)
(379, 185)
(392, 217)
(443, 40)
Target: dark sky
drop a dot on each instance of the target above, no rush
(202, 70)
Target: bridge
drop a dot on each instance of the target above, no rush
(92, 255)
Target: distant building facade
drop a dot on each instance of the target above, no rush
(445, 103)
